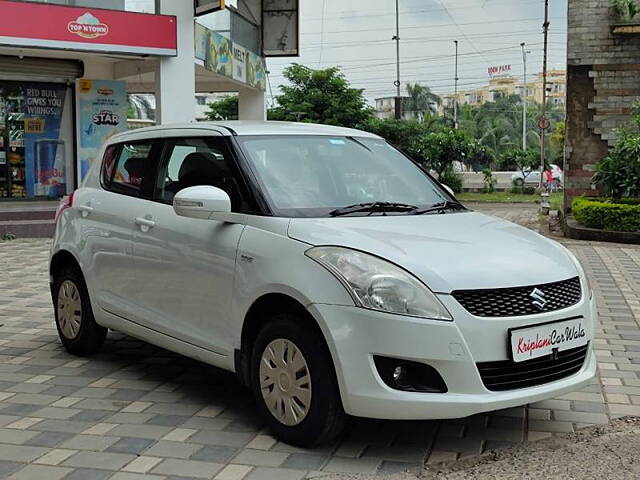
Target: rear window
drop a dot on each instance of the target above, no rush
(127, 167)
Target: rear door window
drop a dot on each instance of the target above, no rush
(133, 170)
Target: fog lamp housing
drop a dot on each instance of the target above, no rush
(409, 376)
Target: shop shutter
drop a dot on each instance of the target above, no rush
(32, 68)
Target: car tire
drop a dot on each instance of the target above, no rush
(518, 182)
(289, 352)
(77, 328)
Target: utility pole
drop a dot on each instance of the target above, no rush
(524, 99)
(398, 103)
(455, 94)
(543, 123)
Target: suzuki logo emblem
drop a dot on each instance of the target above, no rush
(539, 299)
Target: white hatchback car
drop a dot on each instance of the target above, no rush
(332, 274)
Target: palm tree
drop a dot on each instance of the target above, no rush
(421, 100)
(141, 107)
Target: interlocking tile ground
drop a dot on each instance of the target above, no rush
(136, 411)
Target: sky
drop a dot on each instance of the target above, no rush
(357, 36)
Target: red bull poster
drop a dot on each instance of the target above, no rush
(44, 151)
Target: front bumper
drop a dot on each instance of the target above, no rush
(355, 335)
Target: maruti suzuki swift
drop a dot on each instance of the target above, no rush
(325, 268)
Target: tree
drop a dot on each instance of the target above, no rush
(523, 161)
(625, 10)
(421, 101)
(557, 142)
(439, 150)
(140, 107)
(224, 109)
(619, 172)
(320, 96)
(497, 125)
(403, 134)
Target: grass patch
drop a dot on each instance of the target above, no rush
(555, 199)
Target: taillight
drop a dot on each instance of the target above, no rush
(65, 202)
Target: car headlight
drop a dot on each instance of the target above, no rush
(379, 285)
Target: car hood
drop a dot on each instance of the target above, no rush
(456, 251)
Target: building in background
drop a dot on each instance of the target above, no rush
(385, 108)
(66, 69)
(204, 99)
(509, 85)
(602, 87)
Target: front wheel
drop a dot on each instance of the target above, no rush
(294, 383)
(78, 330)
(518, 182)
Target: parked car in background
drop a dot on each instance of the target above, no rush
(532, 177)
(326, 269)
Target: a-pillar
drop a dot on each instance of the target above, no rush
(175, 76)
(251, 104)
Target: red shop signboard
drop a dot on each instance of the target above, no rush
(39, 25)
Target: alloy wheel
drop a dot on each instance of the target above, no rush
(69, 309)
(285, 382)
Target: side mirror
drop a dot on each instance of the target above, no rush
(203, 202)
(449, 189)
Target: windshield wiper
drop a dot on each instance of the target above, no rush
(373, 207)
(440, 207)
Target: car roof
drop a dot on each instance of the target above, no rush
(245, 127)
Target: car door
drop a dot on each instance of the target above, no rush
(107, 226)
(185, 267)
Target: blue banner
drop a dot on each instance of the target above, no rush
(102, 112)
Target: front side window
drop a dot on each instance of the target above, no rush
(311, 176)
(200, 161)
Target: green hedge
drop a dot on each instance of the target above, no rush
(621, 216)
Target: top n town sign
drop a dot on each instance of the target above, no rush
(89, 29)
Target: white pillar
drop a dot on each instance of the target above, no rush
(176, 77)
(251, 104)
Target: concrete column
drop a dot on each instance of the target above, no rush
(175, 76)
(251, 104)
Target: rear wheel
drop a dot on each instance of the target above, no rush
(518, 182)
(77, 328)
(294, 383)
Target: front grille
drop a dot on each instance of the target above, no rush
(517, 301)
(508, 375)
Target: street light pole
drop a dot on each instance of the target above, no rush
(455, 95)
(524, 99)
(398, 102)
(543, 122)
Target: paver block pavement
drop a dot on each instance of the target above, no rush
(134, 399)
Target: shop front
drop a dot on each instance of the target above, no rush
(59, 93)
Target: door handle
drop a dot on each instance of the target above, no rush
(85, 209)
(144, 222)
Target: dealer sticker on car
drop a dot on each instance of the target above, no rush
(542, 340)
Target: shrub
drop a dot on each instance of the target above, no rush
(489, 181)
(619, 172)
(607, 215)
(625, 10)
(522, 190)
(452, 180)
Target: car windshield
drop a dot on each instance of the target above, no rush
(312, 176)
